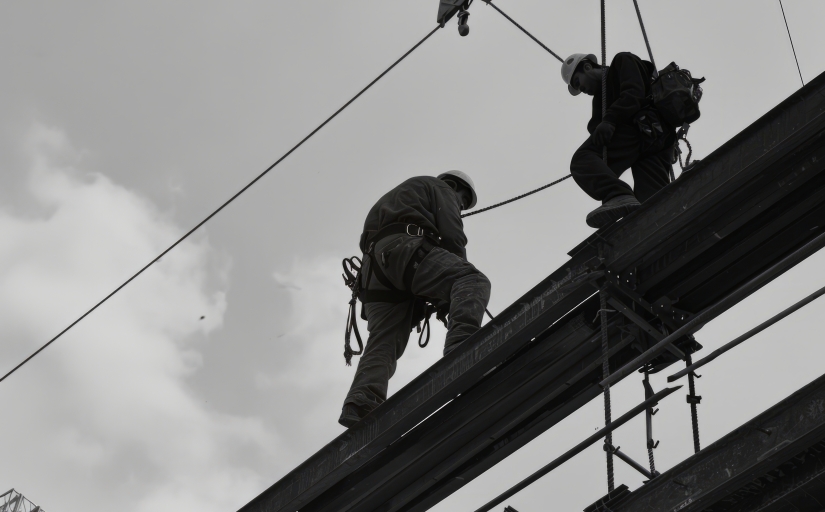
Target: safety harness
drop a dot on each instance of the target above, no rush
(422, 309)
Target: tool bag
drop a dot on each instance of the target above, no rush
(422, 309)
(676, 95)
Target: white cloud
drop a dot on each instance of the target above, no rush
(104, 418)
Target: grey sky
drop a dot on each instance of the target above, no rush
(124, 124)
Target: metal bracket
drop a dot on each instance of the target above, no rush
(651, 444)
(630, 462)
(641, 322)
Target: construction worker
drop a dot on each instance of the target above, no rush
(413, 244)
(631, 130)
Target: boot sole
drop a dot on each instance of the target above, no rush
(608, 216)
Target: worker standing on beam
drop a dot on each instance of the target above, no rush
(632, 132)
(414, 253)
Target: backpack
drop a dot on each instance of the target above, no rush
(676, 95)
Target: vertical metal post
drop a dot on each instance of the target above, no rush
(603, 292)
(693, 400)
(608, 438)
(651, 444)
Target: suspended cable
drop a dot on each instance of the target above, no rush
(517, 197)
(644, 34)
(792, 46)
(608, 438)
(224, 205)
(494, 6)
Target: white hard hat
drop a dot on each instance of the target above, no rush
(568, 67)
(466, 180)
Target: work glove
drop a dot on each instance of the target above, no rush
(603, 133)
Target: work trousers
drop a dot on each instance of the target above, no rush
(441, 277)
(649, 159)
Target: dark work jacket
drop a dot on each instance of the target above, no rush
(425, 201)
(628, 89)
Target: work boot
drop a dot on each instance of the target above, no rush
(612, 210)
(352, 414)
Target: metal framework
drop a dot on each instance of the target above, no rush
(741, 217)
(13, 501)
(773, 463)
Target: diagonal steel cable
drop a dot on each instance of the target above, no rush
(792, 46)
(224, 205)
(644, 34)
(531, 36)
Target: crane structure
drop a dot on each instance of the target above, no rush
(13, 501)
(739, 219)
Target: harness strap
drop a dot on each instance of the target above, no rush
(430, 240)
(352, 278)
(393, 296)
(352, 273)
(397, 228)
(352, 328)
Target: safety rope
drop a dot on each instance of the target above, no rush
(604, 74)
(693, 400)
(644, 34)
(494, 6)
(687, 164)
(224, 205)
(516, 198)
(603, 295)
(792, 46)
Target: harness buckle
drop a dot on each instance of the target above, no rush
(419, 231)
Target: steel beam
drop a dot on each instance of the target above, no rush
(755, 200)
(775, 462)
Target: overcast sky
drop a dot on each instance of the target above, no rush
(122, 124)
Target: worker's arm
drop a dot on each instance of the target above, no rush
(632, 80)
(448, 220)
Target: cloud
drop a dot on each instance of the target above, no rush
(105, 418)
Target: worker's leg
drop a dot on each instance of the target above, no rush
(389, 329)
(651, 173)
(599, 180)
(444, 277)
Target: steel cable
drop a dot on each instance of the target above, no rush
(644, 34)
(516, 198)
(792, 46)
(603, 295)
(224, 205)
(514, 22)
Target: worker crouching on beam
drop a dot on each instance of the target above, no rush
(631, 130)
(414, 256)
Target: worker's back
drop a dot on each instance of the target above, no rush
(424, 201)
